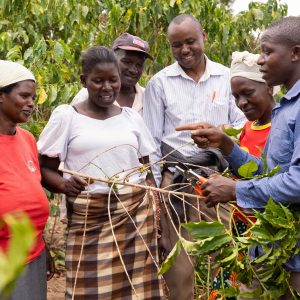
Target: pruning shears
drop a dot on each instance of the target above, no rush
(192, 177)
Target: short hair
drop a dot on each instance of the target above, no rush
(183, 17)
(286, 30)
(7, 89)
(97, 55)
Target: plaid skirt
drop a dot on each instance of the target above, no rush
(112, 247)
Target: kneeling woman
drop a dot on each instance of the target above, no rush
(111, 244)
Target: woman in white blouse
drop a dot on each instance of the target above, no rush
(111, 246)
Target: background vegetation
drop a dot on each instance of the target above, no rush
(48, 36)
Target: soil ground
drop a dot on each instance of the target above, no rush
(56, 241)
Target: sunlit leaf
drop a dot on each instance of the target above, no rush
(204, 229)
(42, 97)
(247, 169)
(169, 261)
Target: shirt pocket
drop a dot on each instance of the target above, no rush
(217, 112)
(218, 103)
(280, 146)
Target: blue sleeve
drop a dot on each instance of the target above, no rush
(283, 187)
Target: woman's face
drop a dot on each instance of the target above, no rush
(253, 98)
(18, 105)
(103, 84)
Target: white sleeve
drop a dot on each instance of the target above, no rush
(54, 139)
(154, 116)
(145, 140)
(81, 96)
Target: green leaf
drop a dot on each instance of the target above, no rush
(204, 229)
(169, 261)
(85, 11)
(253, 294)
(227, 255)
(233, 131)
(28, 53)
(247, 169)
(260, 259)
(208, 245)
(58, 50)
(229, 292)
(261, 235)
(278, 215)
(13, 262)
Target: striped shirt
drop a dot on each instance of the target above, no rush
(172, 98)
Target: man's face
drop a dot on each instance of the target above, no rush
(186, 40)
(131, 64)
(275, 60)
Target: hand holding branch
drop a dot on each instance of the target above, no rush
(218, 189)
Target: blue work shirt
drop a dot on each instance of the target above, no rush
(283, 148)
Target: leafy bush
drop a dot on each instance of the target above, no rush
(48, 36)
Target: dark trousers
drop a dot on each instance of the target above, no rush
(180, 278)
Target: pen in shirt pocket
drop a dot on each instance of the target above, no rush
(213, 96)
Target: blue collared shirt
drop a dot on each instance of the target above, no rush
(283, 148)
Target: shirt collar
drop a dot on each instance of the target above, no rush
(210, 70)
(293, 92)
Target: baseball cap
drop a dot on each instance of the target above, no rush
(127, 41)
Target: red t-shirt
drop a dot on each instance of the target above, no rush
(20, 185)
(254, 137)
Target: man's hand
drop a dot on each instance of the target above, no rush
(218, 189)
(206, 135)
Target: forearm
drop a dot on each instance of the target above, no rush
(227, 145)
(238, 157)
(283, 188)
(53, 181)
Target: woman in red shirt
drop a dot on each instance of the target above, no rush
(255, 100)
(20, 180)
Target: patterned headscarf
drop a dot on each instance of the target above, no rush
(11, 72)
(244, 64)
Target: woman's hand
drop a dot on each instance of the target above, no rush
(206, 135)
(74, 186)
(218, 189)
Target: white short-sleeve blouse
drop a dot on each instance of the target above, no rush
(108, 148)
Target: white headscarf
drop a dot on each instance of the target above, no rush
(11, 72)
(244, 64)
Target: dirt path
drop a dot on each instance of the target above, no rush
(55, 235)
(56, 288)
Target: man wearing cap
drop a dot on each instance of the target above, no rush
(193, 88)
(131, 52)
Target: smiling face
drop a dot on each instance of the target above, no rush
(187, 43)
(103, 84)
(253, 98)
(18, 105)
(131, 64)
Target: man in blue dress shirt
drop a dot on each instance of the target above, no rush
(280, 64)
